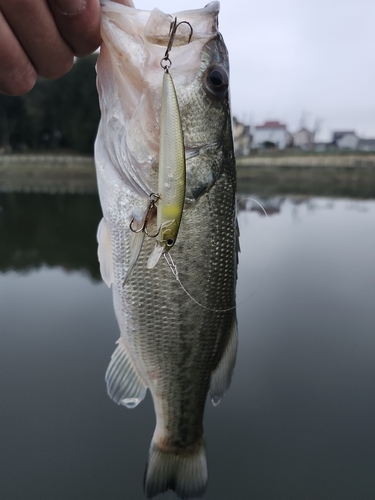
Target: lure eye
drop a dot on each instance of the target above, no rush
(170, 242)
(216, 81)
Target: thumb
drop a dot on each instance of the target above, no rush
(78, 22)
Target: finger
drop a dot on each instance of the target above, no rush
(79, 23)
(33, 25)
(128, 3)
(17, 75)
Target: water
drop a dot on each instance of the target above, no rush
(299, 419)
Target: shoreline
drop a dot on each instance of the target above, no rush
(344, 160)
(47, 173)
(350, 175)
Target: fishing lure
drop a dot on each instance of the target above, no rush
(172, 166)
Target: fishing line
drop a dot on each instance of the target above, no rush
(173, 268)
(268, 257)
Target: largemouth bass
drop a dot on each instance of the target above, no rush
(177, 319)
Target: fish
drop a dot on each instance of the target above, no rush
(177, 316)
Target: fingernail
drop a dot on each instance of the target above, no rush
(70, 7)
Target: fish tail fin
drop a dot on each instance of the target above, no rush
(184, 472)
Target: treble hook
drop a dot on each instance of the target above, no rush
(166, 63)
(153, 199)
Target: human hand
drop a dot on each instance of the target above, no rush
(41, 37)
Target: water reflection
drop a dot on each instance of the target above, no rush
(298, 421)
(49, 230)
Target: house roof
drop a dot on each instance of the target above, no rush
(339, 134)
(366, 142)
(272, 125)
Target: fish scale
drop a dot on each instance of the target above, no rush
(205, 328)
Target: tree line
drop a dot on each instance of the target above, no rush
(55, 115)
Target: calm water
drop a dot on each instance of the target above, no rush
(299, 420)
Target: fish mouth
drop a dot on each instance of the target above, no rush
(197, 24)
(135, 39)
(129, 72)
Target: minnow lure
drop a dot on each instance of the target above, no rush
(172, 166)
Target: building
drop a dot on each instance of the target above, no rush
(241, 138)
(270, 134)
(346, 139)
(366, 145)
(303, 139)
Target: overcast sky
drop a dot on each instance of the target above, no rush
(294, 60)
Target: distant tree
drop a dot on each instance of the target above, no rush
(40, 108)
(13, 122)
(56, 114)
(77, 106)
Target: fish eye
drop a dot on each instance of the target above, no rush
(170, 242)
(216, 81)
(217, 78)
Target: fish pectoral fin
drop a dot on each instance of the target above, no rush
(105, 252)
(155, 256)
(222, 374)
(124, 384)
(135, 250)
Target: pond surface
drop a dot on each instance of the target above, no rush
(299, 419)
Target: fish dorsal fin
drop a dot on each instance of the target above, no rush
(105, 252)
(124, 384)
(222, 374)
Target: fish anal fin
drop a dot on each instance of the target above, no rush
(124, 384)
(184, 472)
(222, 374)
(105, 252)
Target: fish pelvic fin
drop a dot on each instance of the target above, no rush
(184, 472)
(124, 384)
(222, 374)
(105, 252)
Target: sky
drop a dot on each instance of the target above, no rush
(301, 62)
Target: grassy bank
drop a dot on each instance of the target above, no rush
(353, 182)
(298, 160)
(309, 174)
(47, 173)
(329, 174)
